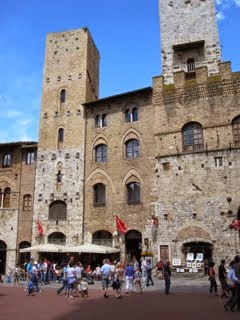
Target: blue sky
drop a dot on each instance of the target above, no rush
(126, 33)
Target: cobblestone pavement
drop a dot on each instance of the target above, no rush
(190, 299)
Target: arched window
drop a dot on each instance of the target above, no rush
(98, 121)
(101, 121)
(128, 115)
(134, 114)
(58, 210)
(104, 120)
(27, 202)
(132, 148)
(6, 198)
(60, 138)
(7, 161)
(59, 176)
(102, 237)
(133, 193)
(30, 157)
(131, 115)
(57, 238)
(99, 195)
(63, 96)
(190, 65)
(236, 131)
(101, 153)
(192, 137)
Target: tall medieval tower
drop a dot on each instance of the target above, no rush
(71, 77)
(189, 37)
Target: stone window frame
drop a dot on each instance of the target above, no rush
(192, 137)
(236, 130)
(99, 195)
(62, 96)
(57, 238)
(102, 237)
(27, 202)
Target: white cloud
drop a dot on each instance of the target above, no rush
(220, 15)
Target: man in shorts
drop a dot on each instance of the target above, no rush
(106, 271)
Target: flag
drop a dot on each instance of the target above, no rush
(235, 224)
(40, 228)
(120, 225)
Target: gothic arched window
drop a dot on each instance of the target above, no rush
(101, 153)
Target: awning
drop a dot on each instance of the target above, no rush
(91, 248)
(48, 247)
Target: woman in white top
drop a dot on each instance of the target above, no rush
(71, 279)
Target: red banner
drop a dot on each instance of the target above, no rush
(40, 228)
(120, 225)
(235, 224)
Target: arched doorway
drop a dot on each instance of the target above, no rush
(24, 256)
(3, 256)
(133, 239)
(198, 247)
(102, 237)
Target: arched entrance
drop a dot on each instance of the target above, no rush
(24, 256)
(133, 239)
(198, 247)
(3, 256)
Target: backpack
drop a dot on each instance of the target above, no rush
(160, 265)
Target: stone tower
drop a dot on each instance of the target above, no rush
(71, 77)
(189, 37)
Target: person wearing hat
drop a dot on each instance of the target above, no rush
(35, 278)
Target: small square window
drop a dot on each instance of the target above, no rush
(218, 161)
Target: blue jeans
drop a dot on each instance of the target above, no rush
(64, 286)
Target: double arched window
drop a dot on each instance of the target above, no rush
(101, 121)
(7, 160)
(192, 137)
(131, 115)
(99, 195)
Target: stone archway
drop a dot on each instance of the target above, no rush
(24, 256)
(194, 239)
(102, 237)
(133, 240)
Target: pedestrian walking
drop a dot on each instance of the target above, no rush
(167, 276)
(212, 278)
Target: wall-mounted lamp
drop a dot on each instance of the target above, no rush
(75, 238)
